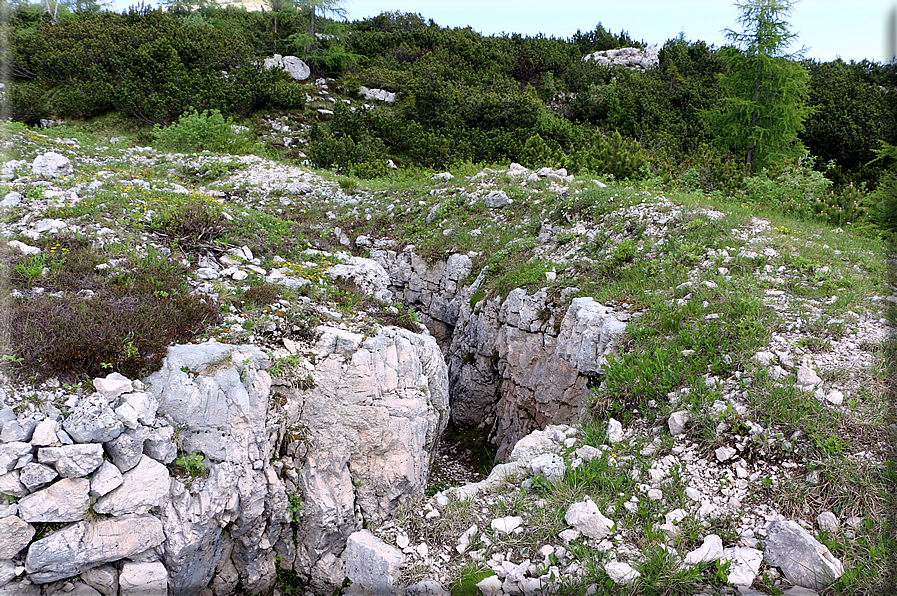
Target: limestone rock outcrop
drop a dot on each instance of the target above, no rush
(295, 67)
(636, 58)
(361, 437)
(512, 365)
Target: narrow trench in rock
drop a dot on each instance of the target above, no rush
(462, 456)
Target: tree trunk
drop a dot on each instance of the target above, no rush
(750, 150)
(311, 30)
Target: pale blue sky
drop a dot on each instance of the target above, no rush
(853, 30)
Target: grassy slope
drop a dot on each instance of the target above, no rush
(612, 243)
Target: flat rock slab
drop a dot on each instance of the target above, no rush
(64, 501)
(805, 561)
(78, 547)
(143, 488)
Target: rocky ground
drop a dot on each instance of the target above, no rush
(725, 430)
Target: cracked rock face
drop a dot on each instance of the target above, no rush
(369, 426)
(510, 365)
(217, 395)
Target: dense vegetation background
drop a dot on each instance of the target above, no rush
(464, 97)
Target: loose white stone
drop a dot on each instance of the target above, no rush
(677, 422)
(725, 453)
(505, 525)
(621, 573)
(614, 431)
(827, 521)
(711, 550)
(835, 397)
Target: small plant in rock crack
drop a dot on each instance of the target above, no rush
(194, 464)
(295, 506)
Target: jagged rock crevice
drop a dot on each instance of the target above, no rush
(515, 364)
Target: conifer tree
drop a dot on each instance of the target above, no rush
(767, 87)
(324, 8)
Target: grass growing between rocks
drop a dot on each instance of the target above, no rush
(688, 347)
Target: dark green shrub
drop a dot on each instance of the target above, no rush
(151, 65)
(884, 199)
(854, 109)
(27, 103)
(614, 155)
(288, 94)
(536, 153)
(841, 208)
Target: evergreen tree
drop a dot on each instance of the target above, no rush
(324, 8)
(766, 86)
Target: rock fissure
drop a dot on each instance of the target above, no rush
(510, 369)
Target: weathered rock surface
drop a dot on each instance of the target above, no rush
(35, 476)
(621, 573)
(377, 94)
(143, 488)
(371, 564)
(52, 164)
(15, 534)
(221, 408)
(510, 365)
(295, 67)
(93, 421)
(627, 57)
(79, 547)
(64, 501)
(106, 478)
(368, 275)
(377, 409)
(587, 518)
(143, 579)
(72, 461)
(802, 559)
(222, 411)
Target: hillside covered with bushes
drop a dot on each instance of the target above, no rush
(464, 98)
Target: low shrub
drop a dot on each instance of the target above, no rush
(795, 188)
(841, 208)
(196, 131)
(621, 158)
(125, 325)
(190, 223)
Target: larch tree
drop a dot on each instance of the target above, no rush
(323, 8)
(766, 86)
